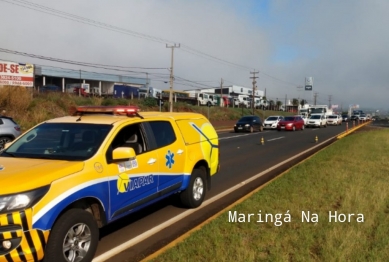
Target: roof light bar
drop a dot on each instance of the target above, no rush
(119, 110)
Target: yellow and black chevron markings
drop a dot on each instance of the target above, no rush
(27, 244)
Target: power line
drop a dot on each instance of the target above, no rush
(103, 66)
(80, 19)
(154, 79)
(76, 18)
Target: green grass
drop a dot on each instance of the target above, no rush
(350, 176)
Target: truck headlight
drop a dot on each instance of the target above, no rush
(247, 125)
(22, 200)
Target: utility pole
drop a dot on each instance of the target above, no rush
(265, 97)
(329, 101)
(253, 94)
(79, 90)
(314, 98)
(171, 76)
(286, 97)
(147, 85)
(221, 92)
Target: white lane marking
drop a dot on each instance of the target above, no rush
(276, 138)
(114, 251)
(228, 137)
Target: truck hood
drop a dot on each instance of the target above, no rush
(18, 175)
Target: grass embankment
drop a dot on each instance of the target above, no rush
(29, 109)
(351, 176)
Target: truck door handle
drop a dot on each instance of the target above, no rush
(180, 151)
(151, 161)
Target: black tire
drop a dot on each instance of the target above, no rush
(4, 140)
(197, 178)
(59, 235)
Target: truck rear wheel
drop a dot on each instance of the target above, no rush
(194, 195)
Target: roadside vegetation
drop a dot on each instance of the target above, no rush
(352, 178)
(30, 108)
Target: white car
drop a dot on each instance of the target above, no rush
(271, 122)
(334, 120)
(305, 118)
(363, 117)
(317, 121)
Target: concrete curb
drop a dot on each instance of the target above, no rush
(351, 130)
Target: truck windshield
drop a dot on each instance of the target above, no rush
(59, 141)
(318, 110)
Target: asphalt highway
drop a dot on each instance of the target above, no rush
(242, 155)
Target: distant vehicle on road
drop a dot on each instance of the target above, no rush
(248, 124)
(291, 123)
(334, 120)
(305, 118)
(317, 121)
(345, 118)
(362, 117)
(354, 118)
(271, 122)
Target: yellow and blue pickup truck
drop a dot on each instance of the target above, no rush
(67, 177)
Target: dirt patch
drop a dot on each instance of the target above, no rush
(223, 123)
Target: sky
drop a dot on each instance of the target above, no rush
(341, 44)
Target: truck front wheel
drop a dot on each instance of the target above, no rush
(74, 237)
(194, 195)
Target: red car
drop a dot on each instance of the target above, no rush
(291, 123)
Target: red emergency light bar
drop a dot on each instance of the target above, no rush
(116, 110)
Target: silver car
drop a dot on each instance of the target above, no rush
(9, 130)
